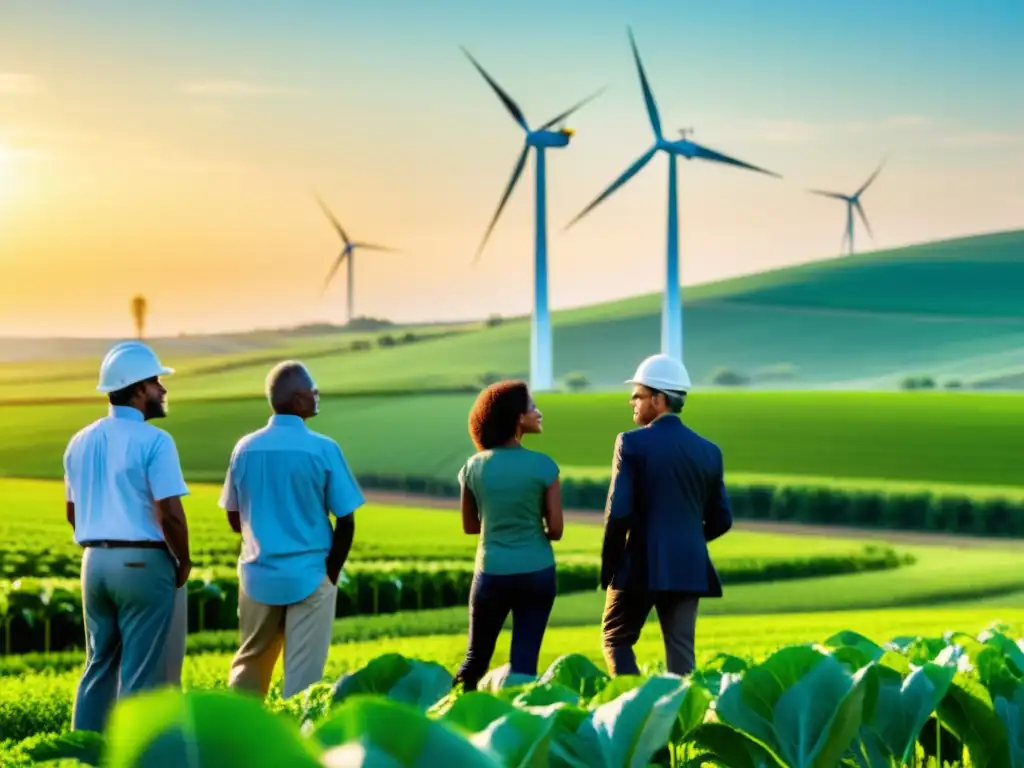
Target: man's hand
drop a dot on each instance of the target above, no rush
(184, 570)
(333, 572)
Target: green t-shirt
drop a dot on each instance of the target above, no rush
(509, 484)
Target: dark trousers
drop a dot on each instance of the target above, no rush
(626, 612)
(529, 597)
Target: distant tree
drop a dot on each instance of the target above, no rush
(360, 344)
(486, 379)
(387, 340)
(139, 308)
(918, 382)
(409, 337)
(953, 384)
(726, 377)
(576, 382)
(494, 320)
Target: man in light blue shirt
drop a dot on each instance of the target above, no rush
(124, 485)
(283, 482)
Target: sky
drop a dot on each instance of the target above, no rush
(170, 149)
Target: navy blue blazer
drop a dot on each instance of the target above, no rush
(666, 501)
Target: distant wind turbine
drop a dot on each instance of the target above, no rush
(348, 251)
(672, 312)
(540, 139)
(852, 202)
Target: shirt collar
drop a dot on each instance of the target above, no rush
(126, 412)
(286, 420)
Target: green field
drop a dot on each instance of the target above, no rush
(947, 438)
(949, 309)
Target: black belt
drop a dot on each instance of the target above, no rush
(115, 544)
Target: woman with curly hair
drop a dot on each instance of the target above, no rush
(512, 498)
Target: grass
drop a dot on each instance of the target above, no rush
(382, 532)
(34, 703)
(950, 309)
(948, 438)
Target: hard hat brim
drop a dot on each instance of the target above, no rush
(163, 371)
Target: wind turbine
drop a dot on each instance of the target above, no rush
(540, 139)
(852, 202)
(347, 252)
(672, 312)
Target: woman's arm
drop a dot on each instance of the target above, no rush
(553, 510)
(470, 513)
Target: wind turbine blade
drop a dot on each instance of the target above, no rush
(333, 272)
(516, 173)
(823, 193)
(564, 115)
(652, 107)
(870, 179)
(709, 154)
(510, 105)
(373, 247)
(334, 221)
(628, 174)
(864, 218)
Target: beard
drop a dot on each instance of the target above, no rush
(155, 409)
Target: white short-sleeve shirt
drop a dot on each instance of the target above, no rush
(115, 470)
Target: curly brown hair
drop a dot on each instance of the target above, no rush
(494, 417)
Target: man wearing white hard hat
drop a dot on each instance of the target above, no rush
(666, 501)
(124, 486)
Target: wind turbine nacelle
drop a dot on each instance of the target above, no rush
(551, 139)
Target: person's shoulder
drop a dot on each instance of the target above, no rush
(76, 439)
(540, 458)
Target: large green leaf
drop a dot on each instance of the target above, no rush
(1011, 651)
(853, 649)
(84, 746)
(800, 703)
(577, 673)
(901, 709)
(1010, 712)
(542, 694)
(411, 681)
(723, 669)
(200, 728)
(501, 678)
(733, 748)
(568, 749)
(373, 730)
(969, 713)
(626, 731)
(518, 738)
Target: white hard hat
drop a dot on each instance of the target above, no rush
(663, 373)
(129, 363)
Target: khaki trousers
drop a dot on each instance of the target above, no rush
(302, 629)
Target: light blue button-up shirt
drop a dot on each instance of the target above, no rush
(115, 469)
(284, 480)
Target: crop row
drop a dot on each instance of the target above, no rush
(848, 701)
(820, 505)
(46, 614)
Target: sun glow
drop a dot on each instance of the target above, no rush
(7, 169)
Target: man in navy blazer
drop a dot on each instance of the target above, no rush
(666, 501)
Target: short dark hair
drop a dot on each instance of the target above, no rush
(124, 395)
(494, 418)
(674, 400)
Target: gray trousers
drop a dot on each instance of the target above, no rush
(626, 612)
(128, 601)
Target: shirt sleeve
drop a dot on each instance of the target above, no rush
(548, 470)
(344, 496)
(164, 470)
(229, 494)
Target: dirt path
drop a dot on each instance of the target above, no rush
(592, 517)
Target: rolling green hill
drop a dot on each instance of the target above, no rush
(926, 437)
(950, 309)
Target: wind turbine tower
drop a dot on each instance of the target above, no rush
(672, 310)
(347, 252)
(852, 202)
(540, 140)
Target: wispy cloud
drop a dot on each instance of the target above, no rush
(803, 131)
(981, 139)
(231, 88)
(18, 82)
